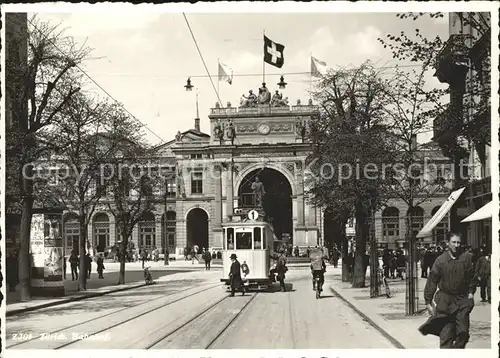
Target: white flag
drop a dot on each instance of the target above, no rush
(225, 73)
(318, 68)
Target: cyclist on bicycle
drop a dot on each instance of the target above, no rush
(318, 269)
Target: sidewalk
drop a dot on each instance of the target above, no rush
(388, 314)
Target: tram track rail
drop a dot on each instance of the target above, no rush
(92, 320)
(199, 315)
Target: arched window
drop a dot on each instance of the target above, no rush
(439, 232)
(417, 219)
(390, 224)
(147, 231)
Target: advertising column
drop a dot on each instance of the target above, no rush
(48, 258)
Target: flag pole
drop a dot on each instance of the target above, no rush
(218, 79)
(310, 77)
(264, 62)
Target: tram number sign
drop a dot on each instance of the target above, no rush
(253, 215)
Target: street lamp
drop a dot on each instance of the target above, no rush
(282, 84)
(188, 85)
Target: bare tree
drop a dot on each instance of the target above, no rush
(82, 144)
(44, 87)
(132, 184)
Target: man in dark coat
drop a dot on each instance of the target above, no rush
(483, 276)
(207, 258)
(453, 274)
(281, 268)
(235, 276)
(12, 271)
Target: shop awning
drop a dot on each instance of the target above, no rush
(485, 212)
(438, 216)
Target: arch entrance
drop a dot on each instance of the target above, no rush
(197, 228)
(276, 202)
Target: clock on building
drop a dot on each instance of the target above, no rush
(264, 128)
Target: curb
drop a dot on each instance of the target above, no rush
(370, 320)
(69, 299)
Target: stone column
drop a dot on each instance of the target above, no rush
(300, 198)
(229, 190)
(216, 178)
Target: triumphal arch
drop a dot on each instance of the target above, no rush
(255, 155)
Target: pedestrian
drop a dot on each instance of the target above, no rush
(207, 258)
(483, 276)
(335, 256)
(281, 268)
(167, 256)
(100, 266)
(296, 251)
(194, 252)
(12, 271)
(73, 263)
(88, 265)
(453, 275)
(235, 280)
(144, 256)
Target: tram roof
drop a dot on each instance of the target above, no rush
(247, 223)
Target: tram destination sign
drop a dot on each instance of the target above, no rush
(253, 215)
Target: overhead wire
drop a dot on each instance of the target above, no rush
(100, 87)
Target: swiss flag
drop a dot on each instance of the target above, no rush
(273, 53)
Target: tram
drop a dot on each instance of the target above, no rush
(252, 240)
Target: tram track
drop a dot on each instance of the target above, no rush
(55, 343)
(183, 329)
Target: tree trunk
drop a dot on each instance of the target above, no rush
(82, 282)
(361, 234)
(24, 246)
(122, 257)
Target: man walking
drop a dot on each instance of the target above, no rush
(483, 276)
(453, 274)
(207, 258)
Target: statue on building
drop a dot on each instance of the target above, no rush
(178, 136)
(218, 130)
(264, 94)
(298, 102)
(258, 191)
(231, 132)
(228, 104)
(277, 98)
(310, 101)
(217, 105)
(250, 101)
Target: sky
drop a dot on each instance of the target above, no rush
(144, 58)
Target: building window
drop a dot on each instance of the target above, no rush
(147, 237)
(390, 224)
(170, 229)
(415, 177)
(72, 236)
(440, 230)
(147, 232)
(197, 183)
(196, 156)
(417, 220)
(171, 188)
(101, 232)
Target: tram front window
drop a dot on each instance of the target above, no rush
(230, 239)
(243, 241)
(257, 238)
